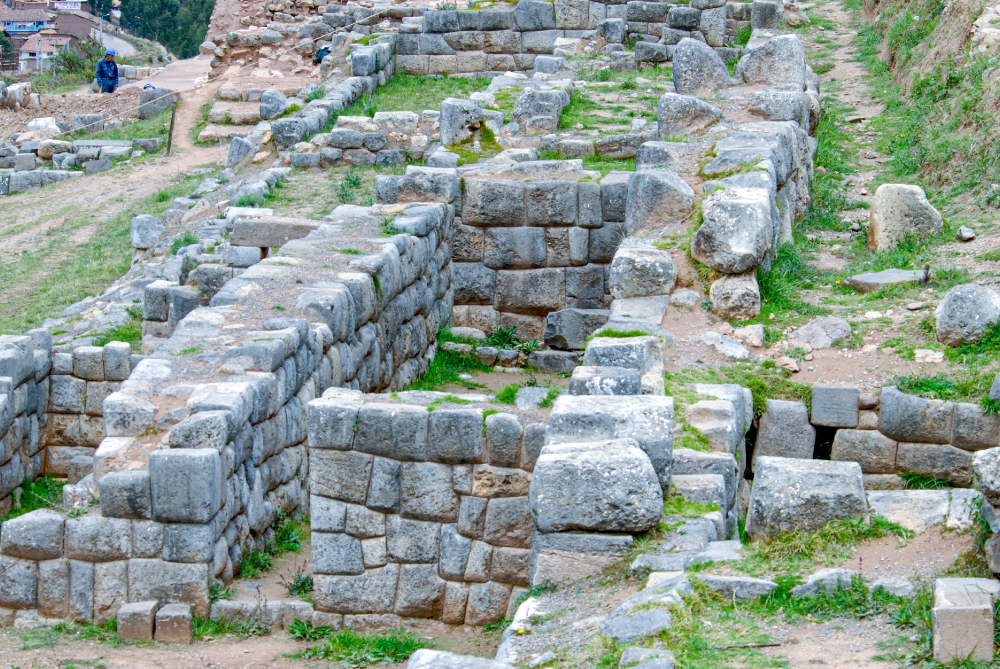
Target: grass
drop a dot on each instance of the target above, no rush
(691, 437)
(130, 332)
(445, 368)
(104, 633)
(186, 239)
(923, 482)
(550, 397)
(765, 380)
(201, 125)
(467, 151)
(287, 539)
(619, 334)
(157, 126)
(61, 272)
(42, 493)
(799, 552)
(677, 505)
(361, 650)
(407, 92)
(967, 384)
(508, 394)
(241, 628)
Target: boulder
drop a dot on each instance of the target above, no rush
(606, 486)
(655, 154)
(657, 197)
(681, 115)
(780, 60)
(790, 495)
(965, 313)
(824, 581)
(736, 296)
(698, 69)
(737, 231)
(456, 117)
(820, 332)
(539, 110)
(737, 587)
(50, 147)
(152, 101)
(613, 30)
(273, 103)
(898, 209)
(641, 271)
(568, 329)
(146, 231)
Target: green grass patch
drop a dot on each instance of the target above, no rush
(408, 92)
(677, 505)
(104, 633)
(923, 482)
(361, 650)
(157, 126)
(130, 332)
(508, 394)
(550, 397)
(765, 380)
(42, 493)
(244, 628)
(445, 368)
(691, 437)
(619, 334)
(61, 272)
(964, 385)
(287, 539)
(799, 552)
(187, 239)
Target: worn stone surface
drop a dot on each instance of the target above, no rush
(835, 407)
(698, 70)
(780, 60)
(965, 313)
(962, 619)
(737, 587)
(914, 419)
(737, 230)
(875, 452)
(916, 510)
(820, 332)
(682, 115)
(639, 271)
(789, 495)
(941, 461)
(785, 431)
(656, 197)
(607, 486)
(898, 210)
(736, 296)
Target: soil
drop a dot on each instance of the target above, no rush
(922, 557)
(835, 644)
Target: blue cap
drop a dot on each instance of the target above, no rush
(109, 52)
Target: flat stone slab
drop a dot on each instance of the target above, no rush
(720, 551)
(662, 562)
(270, 231)
(629, 628)
(100, 143)
(737, 587)
(916, 510)
(872, 282)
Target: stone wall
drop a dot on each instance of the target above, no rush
(525, 248)
(24, 389)
(205, 440)
(419, 511)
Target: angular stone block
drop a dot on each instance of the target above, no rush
(835, 407)
(186, 484)
(174, 624)
(914, 419)
(785, 431)
(941, 461)
(136, 622)
(34, 536)
(371, 592)
(426, 492)
(962, 619)
(875, 452)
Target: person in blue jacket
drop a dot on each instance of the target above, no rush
(107, 72)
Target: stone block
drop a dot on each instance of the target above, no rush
(503, 440)
(420, 593)
(18, 583)
(914, 419)
(472, 517)
(473, 283)
(125, 494)
(174, 624)
(392, 430)
(569, 329)
(835, 407)
(790, 494)
(168, 582)
(97, 539)
(342, 475)
(493, 203)
(110, 588)
(426, 492)
(533, 292)
(607, 486)
(642, 353)
(363, 522)
(657, 197)
(589, 380)
(941, 461)
(508, 522)
(962, 619)
(487, 601)
(136, 622)
(974, 430)
(371, 592)
(875, 452)
(556, 557)
(336, 554)
(53, 588)
(34, 536)
(185, 484)
(514, 248)
(785, 431)
(916, 510)
(456, 436)
(411, 540)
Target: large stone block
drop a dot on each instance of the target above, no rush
(974, 430)
(427, 493)
(392, 430)
(411, 540)
(697, 68)
(899, 209)
(514, 248)
(875, 452)
(169, 582)
(606, 486)
(34, 536)
(965, 313)
(371, 592)
(174, 624)
(647, 419)
(835, 407)
(534, 292)
(785, 431)
(136, 622)
(737, 231)
(657, 197)
(508, 522)
(186, 484)
(962, 619)
(18, 583)
(790, 495)
(336, 554)
(778, 61)
(568, 329)
(420, 593)
(503, 439)
(342, 475)
(908, 418)
(493, 203)
(941, 461)
(97, 539)
(638, 271)
(487, 602)
(473, 283)
(570, 556)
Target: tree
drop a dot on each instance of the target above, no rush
(179, 25)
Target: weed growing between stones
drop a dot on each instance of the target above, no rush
(303, 630)
(967, 384)
(187, 239)
(408, 92)
(678, 505)
(218, 592)
(553, 393)
(42, 493)
(256, 625)
(691, 437)
(362, 650)
(923, 482)
(446, 367)
(287, 539)
(508, 394)
(764, 380)
(156, 126)
(799, 552)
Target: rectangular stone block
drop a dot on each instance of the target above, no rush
(531, 292)
(174, 624)
(493, 203)
(53, 588)
(169, 582)
(336, 553)
(559, 556)
(515, 248)
(110, 588)
(835, 407)
(962, 619)
(455, 436)
(427, 492)
(371, 592)
(331, 422)
(941, 461)
(875, 452)
(136, 622)
(186, 484)
(342, 475)
(411, 540)
(785, 431)
(397, 431)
